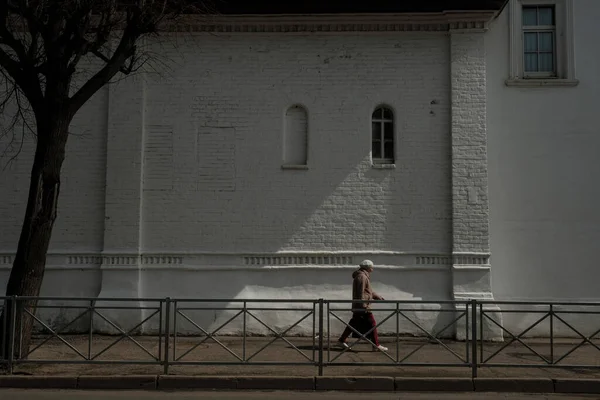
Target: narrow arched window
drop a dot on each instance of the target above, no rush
(382, 136)
(295, 137)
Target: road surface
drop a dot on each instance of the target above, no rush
(156, 395)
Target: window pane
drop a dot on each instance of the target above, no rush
(378, 113)
(546, 62)
(388, 150)
(546, 16)
(531, 62)
(529, 16)
(546, 42)
(387, 113)
(388, 131)
(376, 148)
(376, 127)
(530, 41)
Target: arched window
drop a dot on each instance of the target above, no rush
(382, 136)
(295, 137)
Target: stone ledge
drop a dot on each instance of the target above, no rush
(38, 382)
(196, 382)
(117, 382)
(276, 383)
(514, 385)
(379, 383)
(376, 383)
(434, 385)
(589, 386)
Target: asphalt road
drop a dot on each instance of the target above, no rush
(137, 395)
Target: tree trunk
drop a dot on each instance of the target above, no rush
(28, 268)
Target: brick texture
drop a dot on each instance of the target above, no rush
(226, 97)
(469, 143)
(199, 148)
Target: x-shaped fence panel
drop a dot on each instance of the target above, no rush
(297, 332)
(229, 328)
(399, 312)
(97, 347)
(542, 332)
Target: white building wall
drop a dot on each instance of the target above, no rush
(191, 199)
(543, 146)
(219, 116)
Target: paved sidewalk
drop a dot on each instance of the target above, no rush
(431, 355)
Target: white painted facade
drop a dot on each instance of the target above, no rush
(180, 184)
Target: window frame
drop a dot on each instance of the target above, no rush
(537, 29)
(383, 160)
(564, 62)
(286, 164)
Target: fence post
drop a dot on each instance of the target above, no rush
(551, 334)
(11, 333)
(320, 337)
(167, 334)
(474, 338)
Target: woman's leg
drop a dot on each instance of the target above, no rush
(374, 335)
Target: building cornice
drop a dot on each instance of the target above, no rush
(419, 22)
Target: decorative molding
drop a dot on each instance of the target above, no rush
(461, 259)
(416, 22)
(317, 259)
(471, 259)
(433, 260)
(298, 259)
(121, 260)
(84, 259)
(479, 26)
(162, 259)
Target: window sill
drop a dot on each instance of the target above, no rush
(296, 167)
(384, 166)
(542, 82)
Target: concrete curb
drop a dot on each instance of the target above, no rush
(276, 383)
(376, 383)
(588, 386)
(38, 382)
(514, 385)
(173, 382)
(434, 385)
(117, 382)
(297, 383)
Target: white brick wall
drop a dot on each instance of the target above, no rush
(469, 141)
(235, 89)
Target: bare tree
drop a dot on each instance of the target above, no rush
(42, 44)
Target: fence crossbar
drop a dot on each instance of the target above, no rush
(516, 338)
(280, 336)
(435, 338)
(208, 335)
(55, 334)
(126, 335)
(585, 339)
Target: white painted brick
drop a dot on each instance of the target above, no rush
(229, 193)
(241, 200)
(470, 211)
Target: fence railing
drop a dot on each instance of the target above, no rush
(167, 332)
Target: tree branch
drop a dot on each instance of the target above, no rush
(28, 84)
(125, 49)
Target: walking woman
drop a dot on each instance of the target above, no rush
(362, 317)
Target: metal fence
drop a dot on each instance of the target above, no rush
(170, 333)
